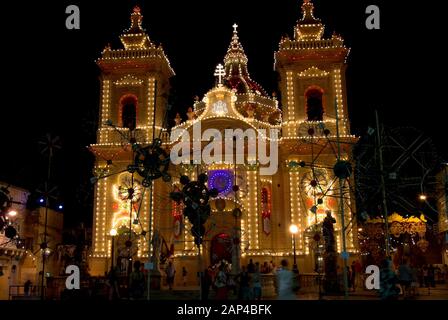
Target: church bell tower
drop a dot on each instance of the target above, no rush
(133, 98)
(311, 68)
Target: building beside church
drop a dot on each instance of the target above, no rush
(21, 256)
(442, 207)
(313, 131)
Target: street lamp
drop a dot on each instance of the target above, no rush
(12, 213)
(423, 197)
(113, 233)
(294, 230)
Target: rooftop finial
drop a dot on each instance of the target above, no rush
(309, 27)
(308, 12)
(135, 37)
(136, 20)
(235, 53)
(235, 39)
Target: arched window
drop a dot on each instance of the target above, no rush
(265, 201)
(314, 104)
(129, 112)
(266, 209)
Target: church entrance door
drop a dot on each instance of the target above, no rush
(221, 249)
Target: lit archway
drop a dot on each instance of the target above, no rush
(314, 103)
(221, 248)
(128, 111)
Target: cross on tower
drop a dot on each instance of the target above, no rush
(220, 72)
(235, 26)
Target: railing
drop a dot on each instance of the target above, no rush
(18, 292)
(310, 281)
(133, 54)
(316, 44)
(268, 285)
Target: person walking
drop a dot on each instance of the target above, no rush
(358, 281)
(206, 283)
(170, 274)
(353, 276)
(388, 281)
(445, 274)
(426, 278)
(136, 282)
(405, 277)
(271, 267)
(26, 287)
(420, 276)
(285, 282)
(184, 276)
(256, 282)
(244, 279)
(431, 276)
(221, 284)
(349, 278)
(265, 268)
(113, 283)
(414, 282)
(251, 266)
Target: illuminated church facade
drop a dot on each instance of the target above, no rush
(311, 115)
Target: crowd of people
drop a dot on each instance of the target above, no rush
(403, 280)
(407, 278)
(246, 285)
(354, 272)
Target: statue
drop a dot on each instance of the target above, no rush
(155, 275)
(265, 117)
(250, 110)
(190, 114)
(330, 256)
(328, 232)
(156, 243)
(177, 119)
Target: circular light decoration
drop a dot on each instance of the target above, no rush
(129, 189)
(221, 180)
(315, 183)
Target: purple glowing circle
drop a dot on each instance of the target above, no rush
(222, 180)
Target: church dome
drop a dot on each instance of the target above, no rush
(235, 63)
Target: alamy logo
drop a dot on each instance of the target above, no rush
(373, 278)
(73, 280)
(373, 20)
(72, 21)
(250, 147)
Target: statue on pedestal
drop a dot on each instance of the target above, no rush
(177, 119)
(250, 110)
(156, 243)
(330, 256)
(190, 114)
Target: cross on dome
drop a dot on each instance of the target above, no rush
(220, 73)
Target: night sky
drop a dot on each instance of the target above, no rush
(50, 81)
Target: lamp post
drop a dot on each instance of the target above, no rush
(113, 233)
(294, 230)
